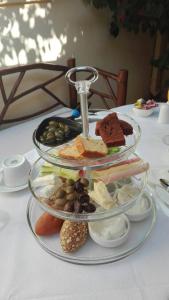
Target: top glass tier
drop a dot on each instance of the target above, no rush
(50, 154)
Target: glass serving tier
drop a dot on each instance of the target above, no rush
(50, 154)
(40, 189)
(91, 253)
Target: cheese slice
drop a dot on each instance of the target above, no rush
(101, 195)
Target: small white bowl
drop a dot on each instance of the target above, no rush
(137, 217)
(109, 243)
(143, 112)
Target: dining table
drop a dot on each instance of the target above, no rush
(27, 272)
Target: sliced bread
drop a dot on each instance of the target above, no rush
(89, 147)
(70, 152)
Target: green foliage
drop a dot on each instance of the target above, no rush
(162, 62)
(136, 15)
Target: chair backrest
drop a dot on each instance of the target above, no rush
(115, 88)
(56, 72)
(109, 91)
(115, 94)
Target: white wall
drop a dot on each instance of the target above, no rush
(54, 32)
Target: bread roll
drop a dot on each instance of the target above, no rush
(73, 235)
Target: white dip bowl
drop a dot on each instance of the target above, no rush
(140, 210)
(111, 232)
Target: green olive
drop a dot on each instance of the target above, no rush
(69, 189)
(61, 125)
(60, 201)
(51, 123)
(51, 129)
(84, 181)
(45, 134)
(59, 135)
(71, 196)
(66, 130)
(42, 139)
(60, 193)
(50, 137)
(70, 182)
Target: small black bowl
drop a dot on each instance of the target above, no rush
(74, 129)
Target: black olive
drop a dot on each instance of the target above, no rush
(78, 207)
(79, 187)
(89, 207)
(83, 198)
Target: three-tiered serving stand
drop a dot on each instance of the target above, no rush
(90, 253)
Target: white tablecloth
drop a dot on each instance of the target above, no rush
(27, 272)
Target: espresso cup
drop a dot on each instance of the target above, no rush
(16, 170)
(164, 114)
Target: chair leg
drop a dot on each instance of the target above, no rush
(122, 87)
(72, 91)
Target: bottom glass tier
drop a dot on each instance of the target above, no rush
(91, 253)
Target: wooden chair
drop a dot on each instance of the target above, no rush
(114, 95)
(109, 98)
(56, 72)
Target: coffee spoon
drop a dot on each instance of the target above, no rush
(165, 183)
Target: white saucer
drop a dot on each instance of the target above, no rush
(7, 189)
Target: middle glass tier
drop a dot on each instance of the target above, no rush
(88, 195)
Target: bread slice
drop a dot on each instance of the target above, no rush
(126, 127)
(110, 131)
(89, 147)
(70, 152)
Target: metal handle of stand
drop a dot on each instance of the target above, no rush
(82, 87)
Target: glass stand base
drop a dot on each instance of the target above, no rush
(91, 253)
